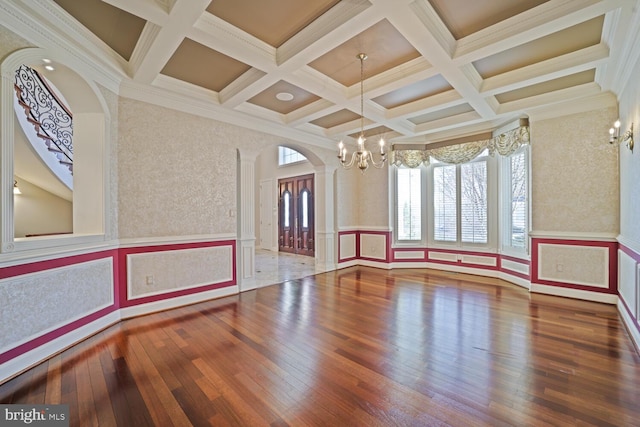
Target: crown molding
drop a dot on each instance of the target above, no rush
(209, 108)
(627, 22)
(574, 106)
(47, 26)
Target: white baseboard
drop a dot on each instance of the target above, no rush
(575, 293)
(39, 354)
(152, 307)
(629, 323)
(518, 281)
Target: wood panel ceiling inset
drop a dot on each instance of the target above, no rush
(197, 64)
(272, 21)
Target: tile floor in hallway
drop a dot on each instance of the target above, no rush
(277, 267)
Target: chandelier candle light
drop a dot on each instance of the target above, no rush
(362, 156)
(627, 137)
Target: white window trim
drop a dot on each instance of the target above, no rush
(492, 212)
(505, 206)
(423, 230)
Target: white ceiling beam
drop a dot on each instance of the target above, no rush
(182, 17)
(548, 18)
(564, 65)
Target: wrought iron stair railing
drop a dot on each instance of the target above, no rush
(51, 118)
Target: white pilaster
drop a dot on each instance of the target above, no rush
(6, 157)
(325, 222)
(246, 244)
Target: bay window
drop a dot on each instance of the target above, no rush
(472, 196)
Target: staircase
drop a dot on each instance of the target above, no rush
(51, 118)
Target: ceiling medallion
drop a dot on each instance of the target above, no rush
(284, 96)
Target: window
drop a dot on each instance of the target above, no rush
(287, 156)
(516, 214)
(465, 198)
(286, 209)
(409, 204)
(305, 208)
(473, 202)
(460, 202)
(445, 212)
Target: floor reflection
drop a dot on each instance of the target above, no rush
(277, 267)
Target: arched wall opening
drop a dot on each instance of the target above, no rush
(90, 133)
(265, 173)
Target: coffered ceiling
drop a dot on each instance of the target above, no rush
(436, 69)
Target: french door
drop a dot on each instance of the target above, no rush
(295, 215)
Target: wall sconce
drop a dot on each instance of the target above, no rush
(16, 190)
(614, 135)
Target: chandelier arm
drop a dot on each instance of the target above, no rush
(351, 162)
(380, 163)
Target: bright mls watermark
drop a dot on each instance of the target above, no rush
(34, 415)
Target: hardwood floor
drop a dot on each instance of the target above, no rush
(361, 347)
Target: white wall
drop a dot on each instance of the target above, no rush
(40, 212)
(628, 263)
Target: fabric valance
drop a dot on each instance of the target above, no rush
(503, 144)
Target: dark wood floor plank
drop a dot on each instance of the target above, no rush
(359, 346)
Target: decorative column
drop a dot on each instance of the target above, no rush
(325, 218)
(6, 158)
(246, 240)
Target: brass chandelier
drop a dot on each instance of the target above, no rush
(362, 157)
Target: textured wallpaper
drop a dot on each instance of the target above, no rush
(10, 42)
(574, 174)
(111, 151)
(373, 201)
(176, 173)
(159, 272)
(347, 198)
(42, 301)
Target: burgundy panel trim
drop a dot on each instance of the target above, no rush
(346, 233)
(120, 286)
(52, 335)
(123, 271)
(35, 267)
(613, 264)
(633, 254)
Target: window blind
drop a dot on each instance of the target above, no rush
(409, 204)
(445, 194)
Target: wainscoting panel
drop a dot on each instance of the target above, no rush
(637, 293)
(373, 246)
(408, 255)
(153, 273)
(478, 260)
(628, 281)
(443, 256)
(347, 246)
(514, 266)
(40, 302)
(574, 264)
